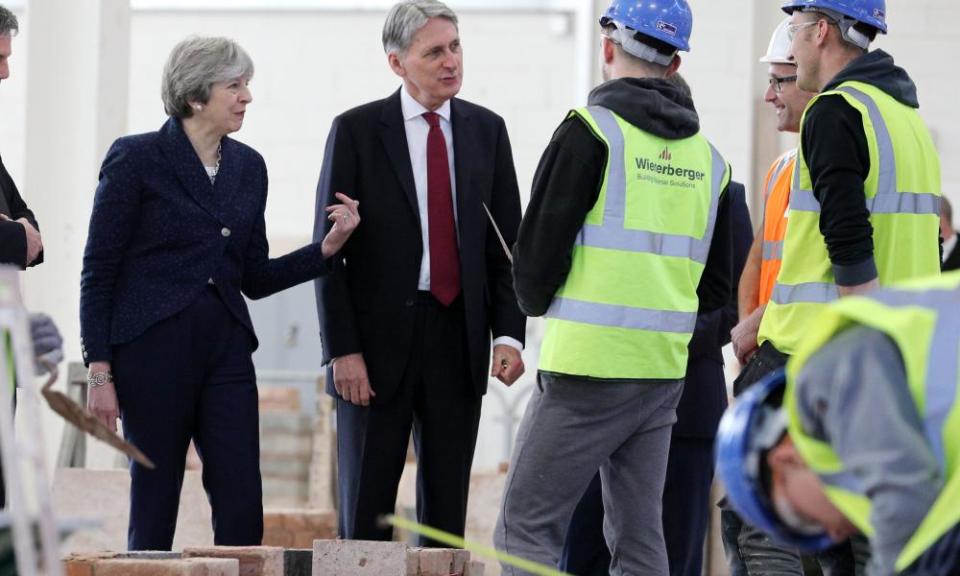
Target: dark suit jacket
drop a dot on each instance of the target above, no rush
(704, 391)
(159, 231)
(13, 239)
(366, 302)
(952, 261)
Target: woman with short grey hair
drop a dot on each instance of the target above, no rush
(195, 65)
(177, 238)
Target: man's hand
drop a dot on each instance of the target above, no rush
(34, 243)
(350, 379)
(507, 364)
(744, 335)
(102, 400)
(345, 218)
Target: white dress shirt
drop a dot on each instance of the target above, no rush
(948, 246)
(417, 130)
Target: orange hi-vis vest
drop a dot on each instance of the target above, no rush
(776, 193)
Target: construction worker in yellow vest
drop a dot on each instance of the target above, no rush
(863, 211)
(627, 236)
(763, 263)
(868, 436)
(748, 550)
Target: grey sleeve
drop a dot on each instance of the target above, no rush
(853, 395)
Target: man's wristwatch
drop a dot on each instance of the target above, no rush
(99, 379)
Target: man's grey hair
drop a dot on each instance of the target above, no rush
(406, 17)
(194, 66)
(9, 26)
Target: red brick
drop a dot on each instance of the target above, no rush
(82, 564)
(272, 520)
(435, 562)
(359, 558)
(303, 540)
(254, 560)
(186, 567)
(278, 537)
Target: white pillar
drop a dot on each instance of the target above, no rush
(768, 143)
(77, 91)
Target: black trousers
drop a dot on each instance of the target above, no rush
(191, 376)
(436, 401)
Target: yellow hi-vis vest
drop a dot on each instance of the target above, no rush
(922, 318)
(628, 306)
(903, 195)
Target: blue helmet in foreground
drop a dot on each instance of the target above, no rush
(870, 12)
(669, 21)
(748, 430)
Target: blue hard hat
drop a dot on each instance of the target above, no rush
(749, 428)
(870, 12)
(669, 21)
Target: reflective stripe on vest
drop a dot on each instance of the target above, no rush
(814, 292)
(773, 250)
(622, 316)
(613, 235)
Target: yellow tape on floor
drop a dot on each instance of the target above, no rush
(487, 551)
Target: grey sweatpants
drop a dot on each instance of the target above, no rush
(571, 428)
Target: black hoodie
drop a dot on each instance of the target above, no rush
(835, 148)
(567, 184)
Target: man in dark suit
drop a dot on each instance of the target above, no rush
(411, 303)
(951, 256)
(686, 495)
(20, 242)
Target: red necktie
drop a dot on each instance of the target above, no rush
(444, 257)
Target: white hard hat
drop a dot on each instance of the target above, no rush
(778, 52)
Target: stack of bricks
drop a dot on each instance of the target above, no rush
(322, 481)
(359, 558)
(325, 558)
(149, 564)
(297, 528)
(252, 560)
(286, 447)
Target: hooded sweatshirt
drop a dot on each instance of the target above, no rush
(835, 147)
(567, 184)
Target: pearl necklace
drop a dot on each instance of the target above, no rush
(216, 169)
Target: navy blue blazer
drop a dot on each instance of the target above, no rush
(159, 232)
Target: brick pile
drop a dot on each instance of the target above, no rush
(297, 528)
(253, 560)
(149, 564)
(360, 558)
